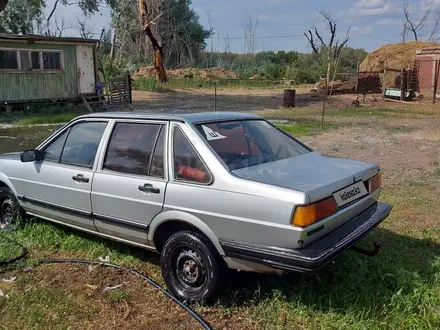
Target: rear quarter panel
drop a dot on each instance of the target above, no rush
(235, 216)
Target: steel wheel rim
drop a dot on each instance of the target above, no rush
(6, 213)
(190, 269)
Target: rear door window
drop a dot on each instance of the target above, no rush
(131, 147)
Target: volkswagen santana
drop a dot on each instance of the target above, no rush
(208, 191)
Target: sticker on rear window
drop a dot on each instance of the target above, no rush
(211, 135)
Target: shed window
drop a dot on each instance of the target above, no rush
(8, 60)
(52, 61)
(35, 59)
(28, 60)
(25, 61)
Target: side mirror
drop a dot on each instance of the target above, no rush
(28, 156)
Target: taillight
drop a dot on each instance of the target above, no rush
(306, 215)
(374, 183)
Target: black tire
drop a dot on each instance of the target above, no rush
(192, 268)
(10, 210)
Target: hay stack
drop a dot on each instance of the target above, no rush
(395, 56)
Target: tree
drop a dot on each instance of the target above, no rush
(158, 50)
(21, 16)
(415, 27)
(85, 30)
(3, 4)
(175, 26)
(250, 28)
(332, 50)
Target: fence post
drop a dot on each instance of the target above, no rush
(402, 87)
(215, 95)
(436, 74)
(129, 88)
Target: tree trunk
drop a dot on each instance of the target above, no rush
(3, 4)
(161, 74)
(327, 83)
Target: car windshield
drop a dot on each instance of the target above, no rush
(246, 143)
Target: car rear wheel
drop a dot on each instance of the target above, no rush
(9, 208)
(192, 268)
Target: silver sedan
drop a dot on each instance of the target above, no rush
(208, 191)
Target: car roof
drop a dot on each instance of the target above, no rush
(191, 118)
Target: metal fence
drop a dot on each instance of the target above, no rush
(219, 95)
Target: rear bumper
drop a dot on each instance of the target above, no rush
(316, 255)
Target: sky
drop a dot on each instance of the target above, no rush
(281, 23)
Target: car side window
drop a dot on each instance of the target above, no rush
(187, 164)
(82, 143)
(131, 147)
(53, 151)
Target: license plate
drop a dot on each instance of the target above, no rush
(350, 194)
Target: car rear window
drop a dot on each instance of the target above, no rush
(246, 143)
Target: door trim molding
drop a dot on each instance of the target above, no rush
(55, 206)
(101, 217)
(96, 233)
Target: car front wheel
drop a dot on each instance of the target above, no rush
(192, 268)
(9, 208)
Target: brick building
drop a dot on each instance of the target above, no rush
(427, 58)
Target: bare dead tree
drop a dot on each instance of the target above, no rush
(250, 28)
(435, 28)
(415, 26)
(332, 49)
(146, 24)
(85, 30)
(59, 27)
(227, 42)
(211, 28)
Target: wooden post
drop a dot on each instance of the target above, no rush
(129, 88)
(402, 89)
(215, 96)
(436, 76)
(357, 79)
(289, 98)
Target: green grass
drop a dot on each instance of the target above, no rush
(40, 309)
(306, 128)
(42, 113)
(48, 119)
(117, 295)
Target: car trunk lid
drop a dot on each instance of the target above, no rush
(313, 173)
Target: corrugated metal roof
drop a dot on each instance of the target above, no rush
(34, 37)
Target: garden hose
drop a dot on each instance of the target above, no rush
(205, 325)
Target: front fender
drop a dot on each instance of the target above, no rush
(8, 183)
(187, 218)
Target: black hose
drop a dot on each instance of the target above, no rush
(22, 254)
(205, 325)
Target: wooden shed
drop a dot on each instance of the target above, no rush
(37, 68)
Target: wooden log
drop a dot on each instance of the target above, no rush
(289, 98)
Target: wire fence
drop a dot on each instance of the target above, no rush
(209, 94)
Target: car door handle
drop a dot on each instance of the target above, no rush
(149, 188)
(80, 178)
